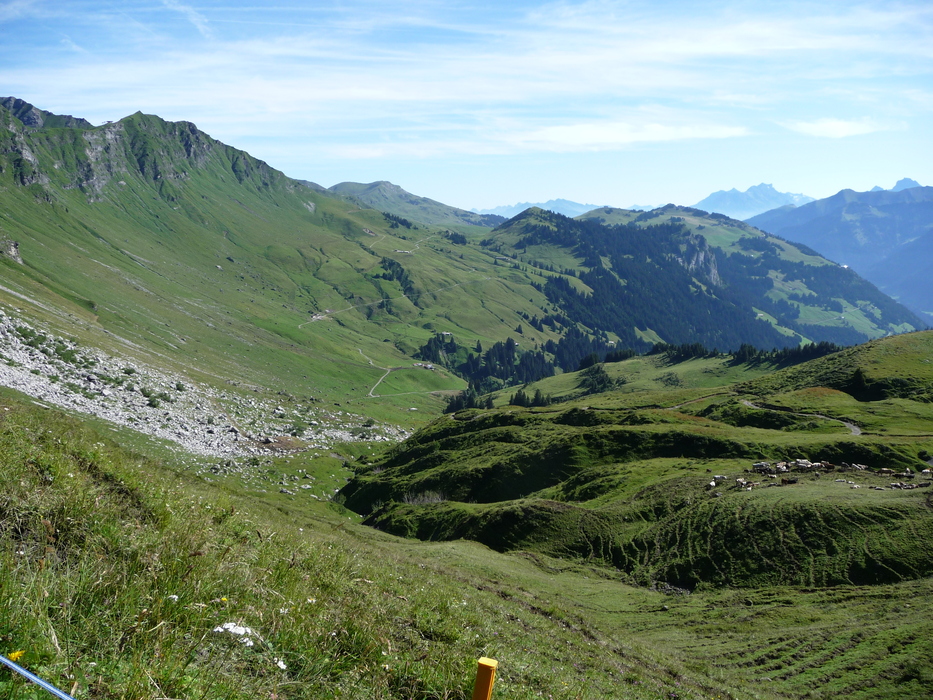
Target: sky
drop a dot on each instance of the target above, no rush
(478, 104)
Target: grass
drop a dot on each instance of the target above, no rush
(218, 275)
(96, 540)
(599, 505)
(623, 477)
(117, 572)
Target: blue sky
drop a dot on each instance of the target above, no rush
(478, 104)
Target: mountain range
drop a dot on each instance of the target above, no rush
(151, 235)
(885, 235)
(384, 196)
(754, 200)
(559, 206)
(903, 184)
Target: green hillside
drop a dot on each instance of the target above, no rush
(792, 287)
(650, 480)
(384, 196)
(119, 573)
(150, 240)
(580, 542)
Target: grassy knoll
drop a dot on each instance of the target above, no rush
(116, 572)
(646, 480)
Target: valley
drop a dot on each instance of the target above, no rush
(635, 454)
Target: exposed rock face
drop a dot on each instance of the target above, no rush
(141, 146)
(198, 418)
(699, 259)
(36, 118)
(10, 249)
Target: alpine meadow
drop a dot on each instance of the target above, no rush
(261, 438)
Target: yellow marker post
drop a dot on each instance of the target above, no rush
(485, 677)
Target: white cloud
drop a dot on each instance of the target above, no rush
(193, 16)
(16, 9)
(354, 81)
(67, 42)
(835, 128)
(608, 135)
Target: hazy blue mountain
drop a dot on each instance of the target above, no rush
(560, 206)
(884, 235)
(905, 275)
(905, 184)
(754, 200)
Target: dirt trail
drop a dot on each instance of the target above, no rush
(388, 371)
(853, 428)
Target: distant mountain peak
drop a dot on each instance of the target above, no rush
(560, 206)
(904, 184)
(755, 200)
(388, 197)
(35, 118)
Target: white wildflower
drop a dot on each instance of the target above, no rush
(173, 598)
(245, 633)
(280, 664)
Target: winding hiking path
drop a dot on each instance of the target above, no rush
(388, 371)
(853, 428)
(702, 398)
(327, 313)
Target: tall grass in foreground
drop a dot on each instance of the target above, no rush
(117, 579)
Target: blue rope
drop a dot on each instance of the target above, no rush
(35, 679)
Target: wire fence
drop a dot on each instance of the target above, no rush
(13, 666)
(482, 689)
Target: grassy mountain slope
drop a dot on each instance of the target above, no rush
(116, 570)
(879, 234)
(154, 239)
(723, 264)
(117, 573)
(623, 477)
(384, 196)
(151, 239)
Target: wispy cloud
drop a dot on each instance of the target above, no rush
(835, 128)
(612, 135)
(16, 9)
(361, 80)
(69, 43)
(192, 15)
